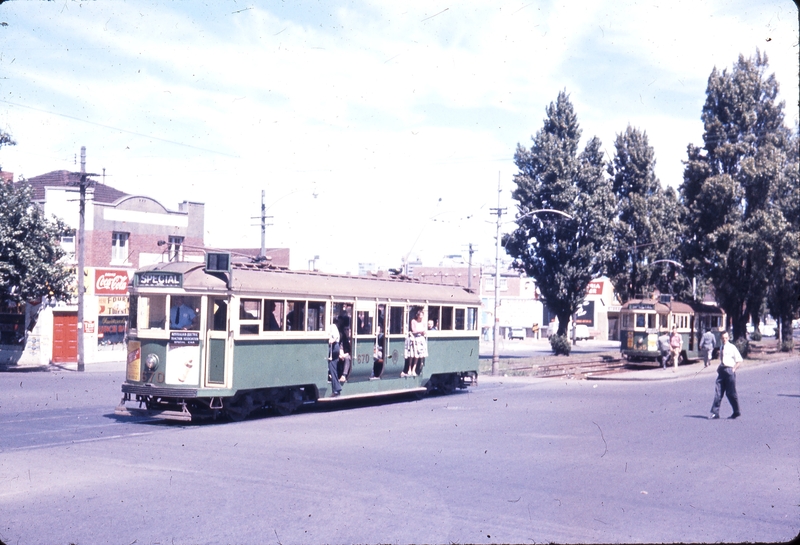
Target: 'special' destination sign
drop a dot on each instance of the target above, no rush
(158, 279)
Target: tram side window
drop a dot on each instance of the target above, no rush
(273, 315)
(396, 320)
(295, 317)
(364, 320)
(472, 318)
(460, 321)
(651, 320)
(665, 321)
(316, 316)
(447, 319)
(249, 312)
(434, 313)
(640, 320)
(716, 321)
(626, 321)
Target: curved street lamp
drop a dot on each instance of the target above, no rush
(496, 329)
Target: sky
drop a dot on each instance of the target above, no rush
(378, 131)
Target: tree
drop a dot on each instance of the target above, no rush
(648, 228)
(729, 188)
(562, 254)
(29, 246)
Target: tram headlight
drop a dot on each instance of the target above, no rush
(151, 361)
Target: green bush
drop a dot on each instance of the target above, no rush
(743, 345)
(560, 345)
(755, 335)
(787, 346)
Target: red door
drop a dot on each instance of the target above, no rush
(65, 337)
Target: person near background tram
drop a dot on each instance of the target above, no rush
(345, 358)
(707, 345)
(664, 349)
(675, 343)
(181, 316)
(729, 361)
(416, 345)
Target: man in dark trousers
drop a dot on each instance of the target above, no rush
(730, 359)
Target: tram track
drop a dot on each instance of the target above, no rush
(575, 367)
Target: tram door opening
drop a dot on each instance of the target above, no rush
(216, 341)
(364, 345)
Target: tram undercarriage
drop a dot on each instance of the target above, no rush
(185, 406)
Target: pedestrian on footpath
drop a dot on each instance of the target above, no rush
(664, 348)
(730, 359)
(707, 344)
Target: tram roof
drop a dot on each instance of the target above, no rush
(264, 281)
(674, 306)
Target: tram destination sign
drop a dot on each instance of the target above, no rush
(641, 306)
(158, 279)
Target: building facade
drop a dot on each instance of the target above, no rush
(122, 233)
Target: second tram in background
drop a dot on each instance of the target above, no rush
(642, 320)
(221, 338)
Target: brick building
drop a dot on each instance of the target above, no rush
(122, 233)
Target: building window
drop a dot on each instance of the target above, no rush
(175, 248)
(119, 247)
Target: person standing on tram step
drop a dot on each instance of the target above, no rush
(675, 343)
(664, 349)
(418, 344)
(333, 359)
(730, 359)
(181, 316)
(707, 345)
(345, 354)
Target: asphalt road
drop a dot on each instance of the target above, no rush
(514, 460)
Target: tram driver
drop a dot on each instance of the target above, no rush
(181, 315)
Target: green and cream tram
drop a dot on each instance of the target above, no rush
(642, 320)
(256, 337)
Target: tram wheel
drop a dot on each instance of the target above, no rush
(288, 402)
(239, 408)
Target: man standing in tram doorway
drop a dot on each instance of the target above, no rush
(730, 359)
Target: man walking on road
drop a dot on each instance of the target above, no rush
(707, 345)
(730, 359)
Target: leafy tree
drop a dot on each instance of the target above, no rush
(648, 228)
(729, 188)
(29, 246)
(783, 294)
(562, 254)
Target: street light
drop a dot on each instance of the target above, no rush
(496, 330)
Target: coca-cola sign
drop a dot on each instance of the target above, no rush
(110, 282)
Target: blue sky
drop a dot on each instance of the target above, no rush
(379, 130)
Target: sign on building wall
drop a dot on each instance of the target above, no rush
(111, 282)
(585, 314)
(595, 288)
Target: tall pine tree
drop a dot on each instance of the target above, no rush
(562, 254)
(729, 188)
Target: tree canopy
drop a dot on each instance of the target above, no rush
(563, 254)
(648, 228)
(737, 190)
(30, 247)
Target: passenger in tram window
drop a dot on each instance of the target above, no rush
(431, 325)
(364, 326)
(417, 345)
(272, 324)
(333, 359)
(181, 315)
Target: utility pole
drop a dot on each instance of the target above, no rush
(496, 330)
(81, 252)
(469, 267)
(263, 219)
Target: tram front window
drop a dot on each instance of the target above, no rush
(151, 312)
(184, 312)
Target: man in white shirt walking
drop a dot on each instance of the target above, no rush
(730, 359)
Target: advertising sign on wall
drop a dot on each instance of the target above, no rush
(111, 282)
